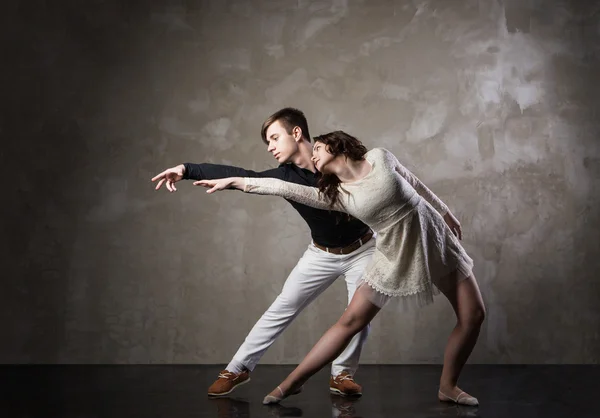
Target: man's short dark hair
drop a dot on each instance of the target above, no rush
(289, 118)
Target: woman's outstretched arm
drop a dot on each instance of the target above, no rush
(305, 195)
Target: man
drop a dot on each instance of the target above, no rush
(341, 246)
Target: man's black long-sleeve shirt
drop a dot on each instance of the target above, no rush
(328, 228)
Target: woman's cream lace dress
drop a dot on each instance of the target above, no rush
(415, 249)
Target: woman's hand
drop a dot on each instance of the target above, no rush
(221, 184)
(454, 225)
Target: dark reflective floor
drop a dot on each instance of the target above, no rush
(389, 391)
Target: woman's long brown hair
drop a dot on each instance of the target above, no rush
(337, 143)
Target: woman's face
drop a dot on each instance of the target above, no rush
(321, 157)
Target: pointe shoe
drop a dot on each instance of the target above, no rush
(270, 399)
(465, 400)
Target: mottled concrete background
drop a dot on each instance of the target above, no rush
(495, 105)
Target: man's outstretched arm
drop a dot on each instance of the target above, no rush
(207, 171)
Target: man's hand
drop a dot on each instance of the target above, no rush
(221, 184)
(453, 224)
(169, 177)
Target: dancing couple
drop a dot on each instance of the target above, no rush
(396, 238)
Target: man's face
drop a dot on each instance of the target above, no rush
(281, 144)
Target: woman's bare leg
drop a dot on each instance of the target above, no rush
(358, 314)
(467, 303)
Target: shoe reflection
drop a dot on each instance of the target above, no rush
(450, 410)
(278, 410)
(342, 407)
(231, 408)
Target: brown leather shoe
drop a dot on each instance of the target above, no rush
(227, 382)
(344, 385)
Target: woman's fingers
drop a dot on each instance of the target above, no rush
(205, 183)
(212, 185)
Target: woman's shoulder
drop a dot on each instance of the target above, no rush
(379, 152)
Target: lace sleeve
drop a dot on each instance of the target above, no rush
(418, 185)
(305, 195)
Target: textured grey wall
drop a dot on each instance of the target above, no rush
(493, 104)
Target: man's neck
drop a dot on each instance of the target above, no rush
(303, 158)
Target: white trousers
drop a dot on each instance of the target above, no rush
(314, 273)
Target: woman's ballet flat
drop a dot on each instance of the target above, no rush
(460, 399)
(270, 399)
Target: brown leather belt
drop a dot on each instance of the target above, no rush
(348, 249)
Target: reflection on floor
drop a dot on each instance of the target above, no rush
(389, 391)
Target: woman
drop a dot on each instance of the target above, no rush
(417, 254)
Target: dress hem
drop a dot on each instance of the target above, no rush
(417, 297)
